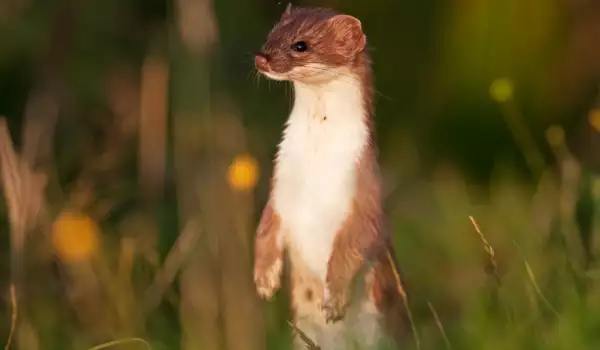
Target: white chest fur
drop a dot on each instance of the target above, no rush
(316, 167)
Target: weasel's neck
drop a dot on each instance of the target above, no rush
(340, 101)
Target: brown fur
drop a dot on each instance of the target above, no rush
(363, 244)
(332, 38)
(361, 247)
(267, 253)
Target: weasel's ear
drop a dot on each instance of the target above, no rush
(348, 33)
(288, 12)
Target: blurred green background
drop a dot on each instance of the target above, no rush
(136, 150)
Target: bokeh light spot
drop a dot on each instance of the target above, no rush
(243, 172)
(594, 119)
(75, 236)
(501, 90)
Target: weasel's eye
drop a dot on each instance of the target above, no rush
(300, 46)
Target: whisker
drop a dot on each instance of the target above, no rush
(257, 77)
(250, 74)
(290, 93)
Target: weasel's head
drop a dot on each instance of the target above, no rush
(311, 45)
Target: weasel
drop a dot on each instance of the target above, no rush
(325, 207)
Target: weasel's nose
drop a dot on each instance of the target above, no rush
(261, 61)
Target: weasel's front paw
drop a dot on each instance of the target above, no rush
(334, 305)
(268, 279)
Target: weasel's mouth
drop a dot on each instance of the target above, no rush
(262, 63)
(267, 72)
(273, 76)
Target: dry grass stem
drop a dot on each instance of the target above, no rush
(402, 293)
(492, 263)
(523, 137)
(13, 171)
(153, 126)
(24, 188)
(121, 341)
(198, 29)
(532, 278)
(571, 172)
(41, 113)
(12, 182)
(13, 318)
(184, 245)
(439, 325)
(126, 259)
(310, 344)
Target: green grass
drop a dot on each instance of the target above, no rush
(516, 281)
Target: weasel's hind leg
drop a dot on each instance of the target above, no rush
(307, 314)
(307, 298)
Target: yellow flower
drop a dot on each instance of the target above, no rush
(243, 172)
(501, 90)
(594, 118)
(75, 236)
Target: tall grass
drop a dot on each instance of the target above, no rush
(129, 225)
(507, 269)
